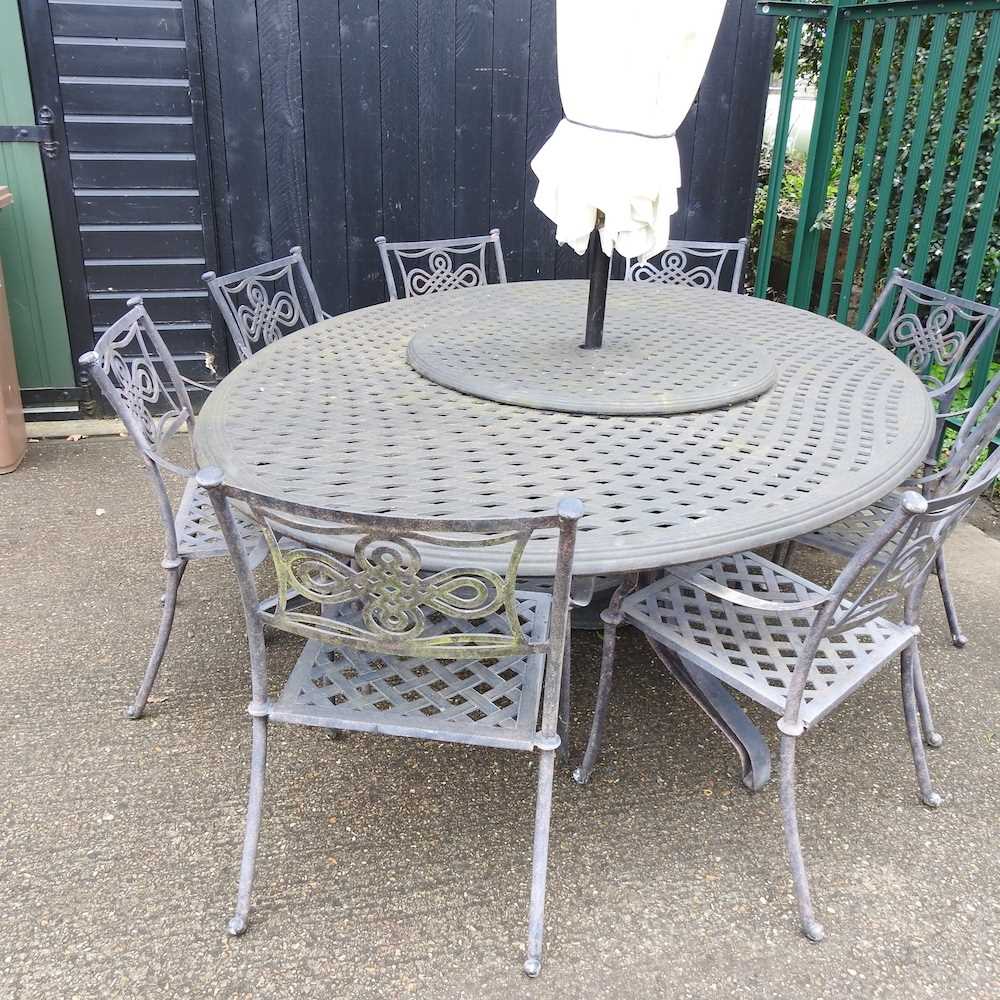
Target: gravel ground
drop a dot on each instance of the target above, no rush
(391, 868)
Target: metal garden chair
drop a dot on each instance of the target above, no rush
(137, 375)
(263, 303)
(440, 265)
(458, 655)
(940, 336)
(799, 649)
(697, 265)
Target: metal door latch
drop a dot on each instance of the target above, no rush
(40, 133)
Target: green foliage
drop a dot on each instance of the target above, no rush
(934, 204)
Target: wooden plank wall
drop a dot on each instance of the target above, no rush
(332, 121)
(135, 145)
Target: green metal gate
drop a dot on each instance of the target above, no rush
(903, 164)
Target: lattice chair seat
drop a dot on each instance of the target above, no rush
(843, 537)
(486, 702)
(198, 532)
(756, 651)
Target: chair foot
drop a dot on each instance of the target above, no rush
(931, 736)
(909, 665)
(612, 618)
(255, 799)
(811, 927)
(174, 577)
(958, 638)
(814, 931)
(539, 864)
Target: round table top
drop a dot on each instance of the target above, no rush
(653, 360)
(334, 415)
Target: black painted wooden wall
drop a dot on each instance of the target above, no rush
(332, 122)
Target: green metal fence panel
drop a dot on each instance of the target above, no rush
(901, 169)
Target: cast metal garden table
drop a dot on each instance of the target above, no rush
(335, 414)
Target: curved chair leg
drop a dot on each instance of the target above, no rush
(800, 879)
(539, 864)
(783, 552)
(174, 576)
(958, 638)
(255, 801)
(582, 774)
(932, 737)
(928, 796)
(564, 700)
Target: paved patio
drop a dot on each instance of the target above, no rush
(391, 868)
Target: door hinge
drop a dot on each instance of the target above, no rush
(40, 133)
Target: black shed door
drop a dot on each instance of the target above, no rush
(129, 194)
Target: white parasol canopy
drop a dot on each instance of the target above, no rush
(628, 72)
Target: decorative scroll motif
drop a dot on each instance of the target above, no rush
(264, 317)
(395, 600)
(910, 560)
(131, 363)
(695, 265)
(676, 267)
(931, 328)
(444, 272)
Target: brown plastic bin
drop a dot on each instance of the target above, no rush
(13, 436)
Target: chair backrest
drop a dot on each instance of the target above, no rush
(263, 303)
(366, 572)
(139, 378)
(697, 265)
(937, 334)
(911, 539)
(375, 565)
(440, 265)
(947, 499)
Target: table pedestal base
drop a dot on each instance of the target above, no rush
(709, 694)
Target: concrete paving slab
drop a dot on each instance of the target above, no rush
(391, 868)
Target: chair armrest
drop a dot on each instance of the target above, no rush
(741, 598)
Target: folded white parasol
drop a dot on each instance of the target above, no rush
(628, 72)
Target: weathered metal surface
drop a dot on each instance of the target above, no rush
(335, 415)
(460, 657)
(652, 361)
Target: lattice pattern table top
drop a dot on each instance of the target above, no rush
(334, 414)
(653, 361)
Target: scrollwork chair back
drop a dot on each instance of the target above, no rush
(939, 335)
(263, 303)
(137, 375)
(368, 574)
(440, 265)
(695, 265)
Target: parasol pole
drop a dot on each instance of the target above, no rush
(598, 267)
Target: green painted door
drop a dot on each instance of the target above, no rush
(34, 296)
